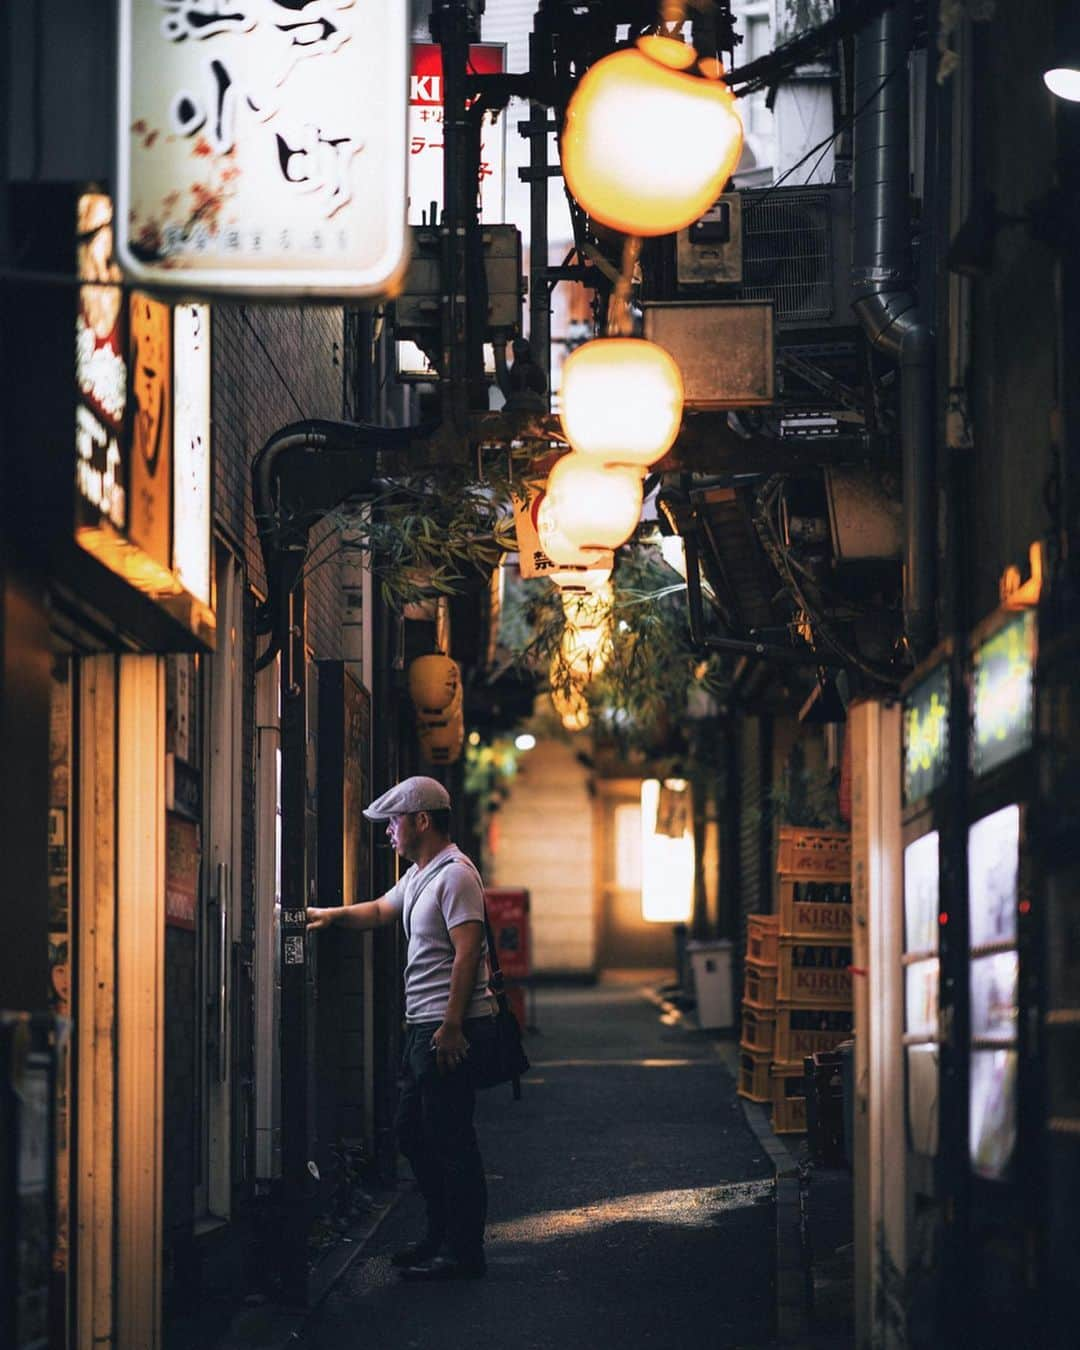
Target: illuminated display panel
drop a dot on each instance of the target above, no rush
(993, 866)
(926, 735)
(1003, 695)
(262, 146)
(993, 855)
(922, 983)
(992, 1133)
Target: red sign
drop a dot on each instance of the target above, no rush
(508, 912)
(425, 81)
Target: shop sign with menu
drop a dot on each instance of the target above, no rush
(142, 430)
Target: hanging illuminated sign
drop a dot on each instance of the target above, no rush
(142, 430)
(926, 735)
(262, 145)
(1003, 670)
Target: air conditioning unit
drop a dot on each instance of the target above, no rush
(790, 246)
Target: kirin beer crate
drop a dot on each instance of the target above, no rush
(801, 1031)
(813, 853)
(814, 974)
(758, 1029)
(815, 909)
(759, 984)
(754, 1066)
(761, 934)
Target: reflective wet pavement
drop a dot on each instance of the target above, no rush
(630, 1204)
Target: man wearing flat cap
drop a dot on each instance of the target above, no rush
(440, 903)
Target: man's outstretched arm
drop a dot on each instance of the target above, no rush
(367, 914)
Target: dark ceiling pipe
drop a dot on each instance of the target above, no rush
(886, 303)
(303, 471)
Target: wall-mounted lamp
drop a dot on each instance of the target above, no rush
(651, 137)
(1063, 77)
(622, 400)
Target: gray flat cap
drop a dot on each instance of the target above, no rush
(413, 794)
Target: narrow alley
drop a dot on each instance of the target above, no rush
(630, 1203)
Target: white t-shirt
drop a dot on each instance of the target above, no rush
(431, 900)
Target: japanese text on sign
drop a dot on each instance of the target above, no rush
(262, 144)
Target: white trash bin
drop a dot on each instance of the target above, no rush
(710, 968)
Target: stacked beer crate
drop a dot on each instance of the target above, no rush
(757, 1044)
(813, 986)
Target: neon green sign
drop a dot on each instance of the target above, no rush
(1004, 674)
(926, 735)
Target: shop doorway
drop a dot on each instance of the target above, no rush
(624, 939)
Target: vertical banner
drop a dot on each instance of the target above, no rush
(150, 339)
(191, 483)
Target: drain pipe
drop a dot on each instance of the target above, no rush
(886, 304)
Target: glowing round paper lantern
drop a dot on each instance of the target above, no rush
(434, 682)
(622, 400)
(648, 146)
(572, 707)
(588, 506)
(557, 545)
(581, 580)
(589, 611)
(585, 651)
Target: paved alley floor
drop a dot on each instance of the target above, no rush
(629, 1204)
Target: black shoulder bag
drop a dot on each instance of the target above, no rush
(500, 1058)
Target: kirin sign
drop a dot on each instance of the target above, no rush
(262, 145)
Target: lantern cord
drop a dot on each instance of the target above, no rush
(620, 321)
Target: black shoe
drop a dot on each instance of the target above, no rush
(417, 1253)
(445, 1268)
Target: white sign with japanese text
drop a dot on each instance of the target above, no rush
(426, 114)
(262, 145)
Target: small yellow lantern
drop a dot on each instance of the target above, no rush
(622, 400)
(648, 145)
(441, 742)
(434, 682)
(454, 711)
(588, 507)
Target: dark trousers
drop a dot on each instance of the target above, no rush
(436, 1134)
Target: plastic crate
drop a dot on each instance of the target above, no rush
(761, 934)
(813, 853)
(788, 1099)
(802, 1031)
(810, 909)
(758, 1029)
(814, 974)
(759, 984)
(754, 1067)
